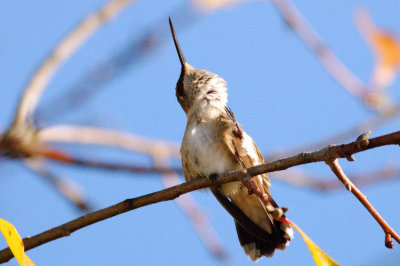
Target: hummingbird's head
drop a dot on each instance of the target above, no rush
(197, 88)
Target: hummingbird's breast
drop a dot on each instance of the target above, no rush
(203, 153)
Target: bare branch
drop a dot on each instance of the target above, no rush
(325, 56)
(327, 154)
(71, 191)
(108, 137)
(335, 167)
(303, 179)
(61, 53)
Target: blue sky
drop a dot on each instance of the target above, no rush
(279, 92)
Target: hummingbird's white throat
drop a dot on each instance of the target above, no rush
(205, 93)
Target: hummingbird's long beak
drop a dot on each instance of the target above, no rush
(177, 46)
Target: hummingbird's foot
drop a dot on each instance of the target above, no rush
(277, 213)
(284, 209)
(253, 189)
(213, 177)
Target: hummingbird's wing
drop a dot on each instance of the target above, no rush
(258, 233)
(246, 159)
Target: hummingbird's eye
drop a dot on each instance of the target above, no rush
(179, 89)
(180, 92)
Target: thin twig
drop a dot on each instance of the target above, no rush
(61, 53)
(108, 137)
(325, 56)
(327, 154)
(335, 167)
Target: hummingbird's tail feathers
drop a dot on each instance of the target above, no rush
(252, 246)
(255, 240)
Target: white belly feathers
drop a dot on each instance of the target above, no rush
(206, 152)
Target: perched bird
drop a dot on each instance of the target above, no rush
(215, 143)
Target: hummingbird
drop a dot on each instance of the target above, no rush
(214, 143)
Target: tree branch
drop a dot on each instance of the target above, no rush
(329, 153)
(335, 167)
(325, 155)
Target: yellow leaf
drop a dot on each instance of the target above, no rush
(320, 257)
(386, 48)
(15, 243)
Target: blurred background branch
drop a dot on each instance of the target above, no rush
(61, 53)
